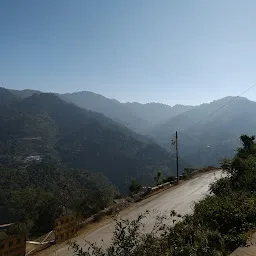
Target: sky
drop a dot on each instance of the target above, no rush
(168, 51)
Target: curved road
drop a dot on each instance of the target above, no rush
(180, 198)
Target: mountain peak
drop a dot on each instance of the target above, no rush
(24, 93)
(228, 99)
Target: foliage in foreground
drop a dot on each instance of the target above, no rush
(219, 224)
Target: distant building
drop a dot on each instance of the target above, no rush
(35, 158)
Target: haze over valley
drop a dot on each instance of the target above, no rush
(206, 131)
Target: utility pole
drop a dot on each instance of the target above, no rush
(177, 156)
(175, 142)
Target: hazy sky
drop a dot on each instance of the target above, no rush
(168, 51)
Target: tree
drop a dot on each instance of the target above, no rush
(34, 195)
(225, 164)
(248, 141)
(92, 204)
(35, 208)
(158, 178)
(248, 148)
(169, 179)
(134, 187)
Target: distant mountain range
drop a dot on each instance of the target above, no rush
(42, 126)
(138, 117)
(205, 135)
(211, 131)
(110, 108)
(156, 113)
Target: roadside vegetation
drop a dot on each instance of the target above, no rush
(220, 223)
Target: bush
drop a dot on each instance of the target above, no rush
(169, 179)
(221, 187)
(135, 187)
(128, 240)
(232, 215)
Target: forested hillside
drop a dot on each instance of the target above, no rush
(34, 195)
(136, 116)
(56, 156)
(6, 97)
(24, 93)
(109, 107)
(206, 135)
(43, 127)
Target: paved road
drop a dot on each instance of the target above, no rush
(180, 198)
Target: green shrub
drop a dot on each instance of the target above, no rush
(134, 187)
(232, 215)
(169, 179)
(221, 187)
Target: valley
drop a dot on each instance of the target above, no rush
(203, 134)
(81, 152)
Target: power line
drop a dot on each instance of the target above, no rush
(215, 111)
(223, 106)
